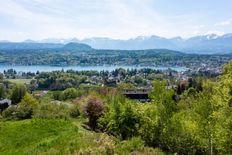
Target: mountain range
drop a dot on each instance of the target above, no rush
(203, 44)
(39, 46)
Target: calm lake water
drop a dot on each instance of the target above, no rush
(43, 68)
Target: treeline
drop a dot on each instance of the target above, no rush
(58, 80)
(156, 57)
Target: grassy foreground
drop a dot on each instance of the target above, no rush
(44, 136)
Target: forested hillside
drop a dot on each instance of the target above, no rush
(79, 54)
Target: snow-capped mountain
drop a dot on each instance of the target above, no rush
(210, 43)
(203, 44)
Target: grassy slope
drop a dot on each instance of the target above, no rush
(61, 137)
(20, 81)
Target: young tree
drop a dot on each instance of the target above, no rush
(26, 106)
(2, 91)
(17, 94)
(163, 97)
(28, 100)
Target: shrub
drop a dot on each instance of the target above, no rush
(150, 130)
(51, 111)
(182, 135)
(74, 111)
(26, 107)
(23, 112)
(28, 100)
(17, 113)
(57, 95)
(10, 112)
(69, 93)
(134, 145)
(93, 110)
(122, 120)
(129, 122)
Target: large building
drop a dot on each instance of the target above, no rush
(137, 94)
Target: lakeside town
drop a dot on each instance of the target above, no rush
(126, 78)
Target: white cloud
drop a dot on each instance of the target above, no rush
(224, 23)
(199, 26)
(113, 18)
(39, 19)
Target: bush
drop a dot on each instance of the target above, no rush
(69, 93)
(23, 112)
(28, 100)
(74, 111)
(134, 144)
(182, 135)
(129, 122)
(57, 95)
(150, 129)
(122, 120)
(10, 112)
(17, 113)
(26, 107)
(51, 111)
(93, 110)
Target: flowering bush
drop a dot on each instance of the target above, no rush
(93, 110)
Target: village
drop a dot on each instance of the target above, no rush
(134, 84)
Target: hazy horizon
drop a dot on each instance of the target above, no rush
(102, 37)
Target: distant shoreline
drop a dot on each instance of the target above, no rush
(49, 68)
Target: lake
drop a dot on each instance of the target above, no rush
(45, 68)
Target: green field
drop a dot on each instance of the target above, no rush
(44, 136)
(19, 81)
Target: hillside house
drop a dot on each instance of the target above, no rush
(137, 94)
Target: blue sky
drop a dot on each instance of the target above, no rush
(119, 19)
